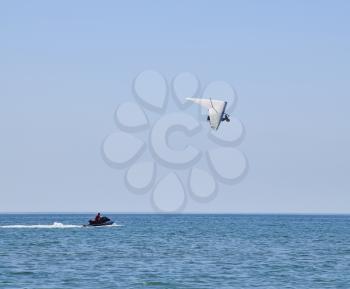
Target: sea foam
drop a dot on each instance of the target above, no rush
(52, 226)
(55, 225)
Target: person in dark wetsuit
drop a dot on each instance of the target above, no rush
(98, 218)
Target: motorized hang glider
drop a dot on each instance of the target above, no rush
(216, 110)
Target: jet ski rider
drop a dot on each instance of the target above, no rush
(98, 218)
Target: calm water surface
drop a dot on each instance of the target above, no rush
(175, 251)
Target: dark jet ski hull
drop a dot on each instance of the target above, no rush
(101, 224)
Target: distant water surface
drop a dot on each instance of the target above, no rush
(175, 251)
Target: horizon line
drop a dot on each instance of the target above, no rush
(171, 213)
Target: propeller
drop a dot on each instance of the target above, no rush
(227, 117)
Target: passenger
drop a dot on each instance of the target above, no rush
(98, 218)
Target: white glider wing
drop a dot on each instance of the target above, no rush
(215, 108)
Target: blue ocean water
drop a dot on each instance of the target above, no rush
(175, 251)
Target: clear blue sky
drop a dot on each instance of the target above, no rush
(66, 65)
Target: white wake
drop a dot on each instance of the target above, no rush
(55, 225)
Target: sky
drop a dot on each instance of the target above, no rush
(65, 66)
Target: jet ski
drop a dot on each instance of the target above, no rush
(104, 221)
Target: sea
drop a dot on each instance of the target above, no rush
(175, 251)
